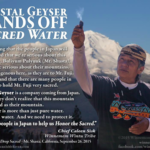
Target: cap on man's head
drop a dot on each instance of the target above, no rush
(135, 51)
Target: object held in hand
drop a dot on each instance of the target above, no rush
(81, 24)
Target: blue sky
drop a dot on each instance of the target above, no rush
(125, 21)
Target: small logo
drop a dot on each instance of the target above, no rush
(117, 95)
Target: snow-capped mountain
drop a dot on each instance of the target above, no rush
(101, 53)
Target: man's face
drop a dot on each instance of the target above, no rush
(127, 68)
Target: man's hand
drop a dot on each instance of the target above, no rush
(139, 127)
(78, 37)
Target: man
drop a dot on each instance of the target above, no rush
(122, 104)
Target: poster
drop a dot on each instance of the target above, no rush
(42, 104)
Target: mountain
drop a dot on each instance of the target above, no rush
(101, 53)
